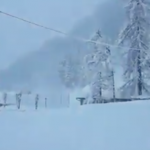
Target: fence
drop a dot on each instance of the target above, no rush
(35, 101)
(83, 101)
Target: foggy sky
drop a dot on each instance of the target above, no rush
(18, 38)
(40, 68)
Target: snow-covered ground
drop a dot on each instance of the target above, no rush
(119, 126)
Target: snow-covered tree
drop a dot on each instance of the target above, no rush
(70, 71)
(98, 62)
(110, 73)
(97, 87)
(66, 72)
(135, 35)
(79, 70)
(86, 72)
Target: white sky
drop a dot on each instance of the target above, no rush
(18, 38)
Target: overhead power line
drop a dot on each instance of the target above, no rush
(63, 33)
(33, 23)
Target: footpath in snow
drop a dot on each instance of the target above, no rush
(120, 126)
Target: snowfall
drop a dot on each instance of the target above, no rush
(115, 126)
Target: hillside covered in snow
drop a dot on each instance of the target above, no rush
(119, 126)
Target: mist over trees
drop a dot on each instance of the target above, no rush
(97, 68)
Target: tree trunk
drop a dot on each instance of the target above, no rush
(139, 70)
(113, 84)
(100, 89)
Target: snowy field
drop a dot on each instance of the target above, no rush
(121, 126)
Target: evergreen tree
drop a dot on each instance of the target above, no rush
(79, 70)
(98, 62)
(69, 71)
(110, 73)
(135, 35)
(97, 87)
